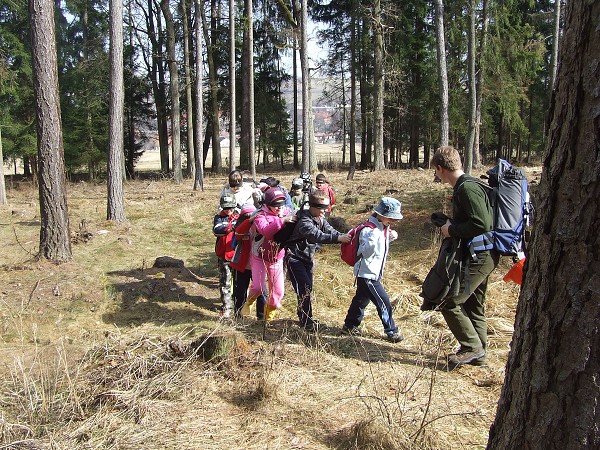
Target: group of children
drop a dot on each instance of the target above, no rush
(253, 249)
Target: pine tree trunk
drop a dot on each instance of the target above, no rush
(187, 58)
(251, 137)
(158, 85)
(232, 92)
(468, 158)
(213, 82)
(3, 200)
(442, 72)
(378, 161)
(353, 75)
(295, 82)
(115, 209)
(55, 242)
(550, 395)
(306, 102)
(198, 154)
(245, 96)
(174, 83)
(479, 85)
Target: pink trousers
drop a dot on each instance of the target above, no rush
(265, 274)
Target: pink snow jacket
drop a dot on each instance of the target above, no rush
(267, 223)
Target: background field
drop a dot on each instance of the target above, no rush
(96, 353)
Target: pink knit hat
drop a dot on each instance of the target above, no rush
(247, 209)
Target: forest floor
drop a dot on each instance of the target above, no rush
(96, 353)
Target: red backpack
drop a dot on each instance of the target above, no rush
(224, 246)
(349, 251)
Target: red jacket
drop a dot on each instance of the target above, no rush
(223, 230)
(243, 238)
(329, 191)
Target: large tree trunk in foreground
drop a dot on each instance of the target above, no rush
(551, 395)
(55, 241)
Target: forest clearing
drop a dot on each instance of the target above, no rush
(99, 352)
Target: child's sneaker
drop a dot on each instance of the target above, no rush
(352, 331)
(395, 337)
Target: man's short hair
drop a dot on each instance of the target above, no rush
(318, 197)
(447, 157)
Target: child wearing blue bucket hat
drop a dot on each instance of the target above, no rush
(373, 248)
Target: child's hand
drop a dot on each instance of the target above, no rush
(393, 235)
(290, 218)
(445, 227)
(344, 238)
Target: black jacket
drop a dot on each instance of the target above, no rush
(309, 232)
(444, 278)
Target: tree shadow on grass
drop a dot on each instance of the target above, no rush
(161, 295)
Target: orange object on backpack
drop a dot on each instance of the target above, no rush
(515, 274)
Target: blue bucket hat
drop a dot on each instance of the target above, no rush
(389, 207)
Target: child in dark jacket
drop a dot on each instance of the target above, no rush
(223, 224)
(312, 229)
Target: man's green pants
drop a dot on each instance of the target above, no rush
(465, 313)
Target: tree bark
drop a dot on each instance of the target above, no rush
(211, 42)
(295, 82)
(158, 85)
(468, 159)
(555, 41)
(378, 162)
(305, 163)
(442, 72)
(250, 62)
(174, 89)
(55, 242)
(352, 143)
(245, 95)
(479, 84)
(232, 92)
(115, 209)
(198, 153)
(3, 200)
(550, 398)
(187, 61)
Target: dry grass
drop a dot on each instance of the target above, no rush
(97, 353)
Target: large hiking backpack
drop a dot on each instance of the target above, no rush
(507, 189)
(512, 207)
(348, 251)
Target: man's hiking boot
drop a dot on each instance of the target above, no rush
(395, 337)
(462, 357)
(352, 331)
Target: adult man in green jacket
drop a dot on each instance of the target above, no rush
(471, 218)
